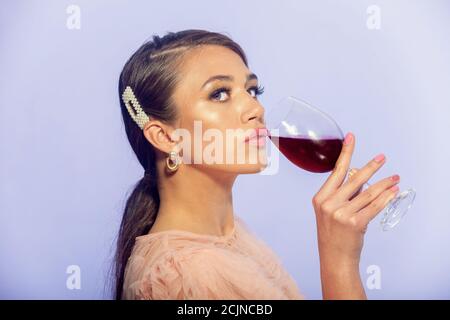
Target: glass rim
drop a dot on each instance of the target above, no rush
(290, 108)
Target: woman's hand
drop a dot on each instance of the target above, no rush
(342, 215)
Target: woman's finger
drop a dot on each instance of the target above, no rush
(369, 212)
(370, 194)
(350, 176)
(339, 173)
(360, 177)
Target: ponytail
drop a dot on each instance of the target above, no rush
(139, 215)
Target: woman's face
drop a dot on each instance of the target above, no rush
(217, 100)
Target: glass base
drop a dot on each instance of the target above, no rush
(397, 208)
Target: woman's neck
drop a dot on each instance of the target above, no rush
(196, 200)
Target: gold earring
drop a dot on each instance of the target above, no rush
(173, 157)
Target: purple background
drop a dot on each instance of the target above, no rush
(66, 166)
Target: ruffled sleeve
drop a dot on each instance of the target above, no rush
(207, 273)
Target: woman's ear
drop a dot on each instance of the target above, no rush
(159, 135)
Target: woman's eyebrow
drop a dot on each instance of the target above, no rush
(222, 77)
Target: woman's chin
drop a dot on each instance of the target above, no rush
(253, 168)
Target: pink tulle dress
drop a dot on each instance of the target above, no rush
(177, 264)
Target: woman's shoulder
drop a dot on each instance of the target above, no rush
(184, 245)
(181, 245)
(163, 263)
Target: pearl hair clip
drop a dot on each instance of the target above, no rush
(130, 101)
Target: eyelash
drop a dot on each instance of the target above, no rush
(259, 90)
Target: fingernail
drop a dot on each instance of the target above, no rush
(348, 138)
(395, 177)
(379, 158)
(394, 188)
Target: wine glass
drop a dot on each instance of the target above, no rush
(312, 140)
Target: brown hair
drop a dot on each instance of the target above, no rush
(151, 72)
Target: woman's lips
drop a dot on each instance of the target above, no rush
(257, 137)
(261, 141)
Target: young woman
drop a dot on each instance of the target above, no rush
(180, 237)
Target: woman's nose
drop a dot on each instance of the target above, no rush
(255, 112)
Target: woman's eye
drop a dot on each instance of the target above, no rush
(220, 94)
(257, 91)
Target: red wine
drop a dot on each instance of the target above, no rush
(315, 155)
